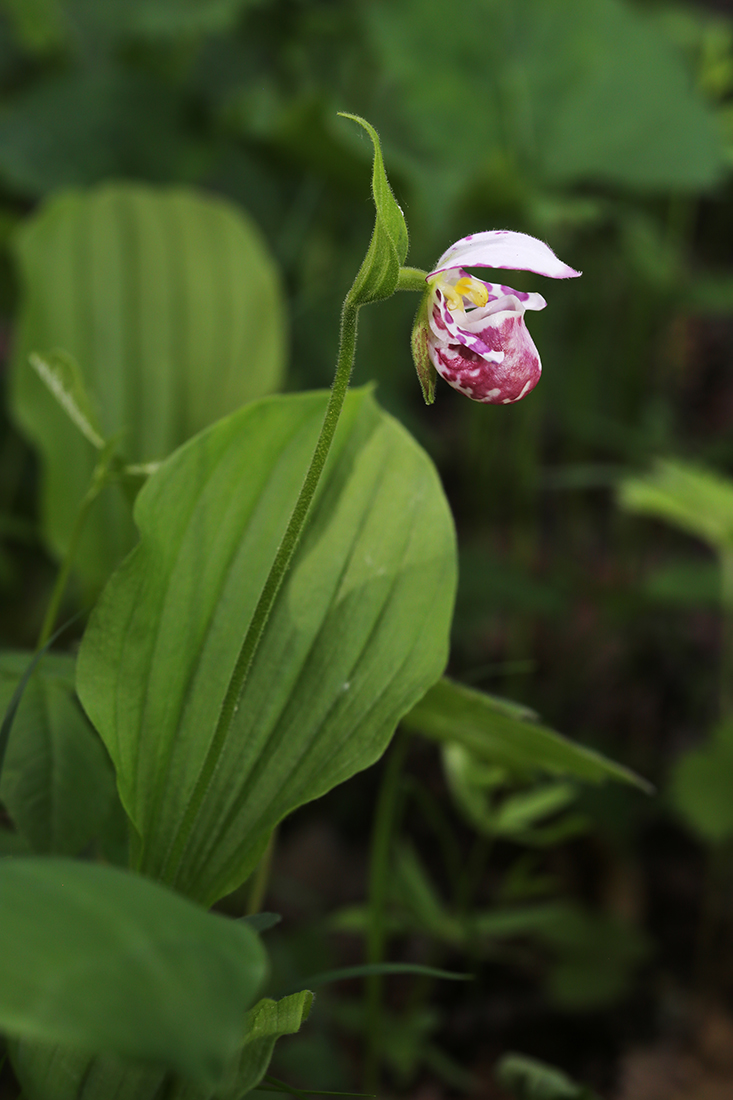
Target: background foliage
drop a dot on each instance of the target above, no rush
(603, 126)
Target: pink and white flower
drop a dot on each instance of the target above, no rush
(473, 332)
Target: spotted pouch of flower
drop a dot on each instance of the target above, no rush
(473, 332)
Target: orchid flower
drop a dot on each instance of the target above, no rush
(472, 332)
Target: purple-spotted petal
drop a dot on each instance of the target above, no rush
(507, 369)
(503, 248)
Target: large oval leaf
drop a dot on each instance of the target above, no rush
(357, 635)
(49, 1072)
(102, 959)
(170, 303)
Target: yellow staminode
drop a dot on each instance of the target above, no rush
(465, 287)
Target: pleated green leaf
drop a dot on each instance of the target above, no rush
(104, 960)
(358, 633)
(49, 1072)
(498, 734)
(57, 781)
(170, 303)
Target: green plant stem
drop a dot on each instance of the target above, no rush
(261, 878)
(283, 557)
(62, 577)
(385, 821)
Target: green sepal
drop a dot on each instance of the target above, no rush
(426, 372)
(378, 275)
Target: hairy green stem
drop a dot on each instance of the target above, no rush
(385, 821)
(283, 557)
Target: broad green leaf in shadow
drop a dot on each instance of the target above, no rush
(57, 781)
(568, 91)
(687, 496)
(358, 633)
(85, 124)
(487, 727)
(49, 1072)
(105, 960)
(171, 305)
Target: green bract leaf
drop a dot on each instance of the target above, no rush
(697, 500)
(358, 632)
(102, 959)
(483, 725)
(426, 372)
(61, 1073)
(57, 781)
(378, 275)
(171, 305)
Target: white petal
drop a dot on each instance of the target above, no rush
(502, 248)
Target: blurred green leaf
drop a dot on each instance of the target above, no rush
(593, 956)
(517, 815)
(262, 922)
(700, 785)
(573, 90)
(685, 583)
(692, 498)
(39, 25)
(523, 810)
(82, 126)
(162, 18)
(358, 633)
(102, 959)
(57, 782)
(414, 890)
(171, 305)
(482, 724)
(529, 1079)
